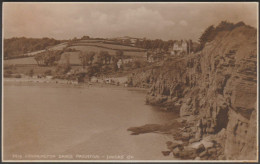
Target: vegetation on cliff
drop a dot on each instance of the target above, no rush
(214, 91)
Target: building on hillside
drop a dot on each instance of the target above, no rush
(129, 40)
(179, 47)
(124, 61)
(150, 59)
(119, 63)
(154, 57)
(94, 79)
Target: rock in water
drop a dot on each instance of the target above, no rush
(166, 153)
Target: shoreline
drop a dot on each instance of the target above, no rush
(64, 83)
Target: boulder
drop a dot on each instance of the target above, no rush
(197, 158)
(198, 134)
(185, 136)
(203, 154)
(172, 145)
(188, 153)
(200, 149)
(168, 143)
(221, 157)
(188, 101)
(207, 143)
(166, 153)
(192, 140)
(212, 150)
(185, 110)
(176, 151)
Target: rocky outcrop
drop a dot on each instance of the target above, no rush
(144, 78)
(218, 87)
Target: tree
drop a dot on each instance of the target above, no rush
(16, 47)
(104, 57)
(85, 38)
(48, 58)
(48, 72)
(31, 72)
(127, 41)
(91, 57)
(119, 54)
(224, 25)
(207, 36)
(86, 58)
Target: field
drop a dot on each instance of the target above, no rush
(82, 45)
(34, 53)
(110, 46)
(58, 47)
(20, 61)
(111, 52)
(72, 56)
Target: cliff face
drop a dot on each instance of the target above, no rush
(218, 87)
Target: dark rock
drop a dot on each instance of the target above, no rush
(188, 153)
(212, 150)
(201, 148)
(185, 136)
(192, 140)
(222, 157)
(197, 158)
(172, 146)
(168, 143)
(145, 129)
(204, 153)
(166, 153)
(205, 158)
(176, 151)
(188, 101)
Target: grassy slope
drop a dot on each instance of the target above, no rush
(82, 45)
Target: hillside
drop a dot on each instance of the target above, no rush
(17, 47)
(80, 45)
(215, 92)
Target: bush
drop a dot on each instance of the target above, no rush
(8, 73)
(210, 33)
(48, 72)
(18, 76)
(63, 69)
(30, 72)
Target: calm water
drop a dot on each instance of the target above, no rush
(79, 123)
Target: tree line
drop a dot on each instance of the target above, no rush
(15, 47)
(160, 44)
(48, 58)
(210, 33)
(103, 57)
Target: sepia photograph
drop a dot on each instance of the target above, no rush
(129, 82)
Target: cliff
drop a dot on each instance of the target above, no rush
(215, 91)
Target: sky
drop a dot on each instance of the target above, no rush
(167, 21)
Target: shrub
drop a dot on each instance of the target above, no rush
(30, 72)
(7, 73)
(18, 76)
(48, 72)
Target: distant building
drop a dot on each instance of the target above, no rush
(94, 79)
(130, 40)
(179, 47)
(124, 61)
(119, 63)
(154, 56)
(49, 77)
(150, 59)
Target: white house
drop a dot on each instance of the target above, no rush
(119, 63)
(179, 47)
(124, 61)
